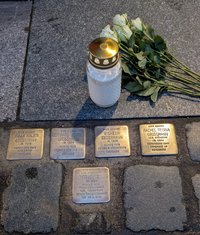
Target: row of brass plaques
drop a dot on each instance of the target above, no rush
(110, 141)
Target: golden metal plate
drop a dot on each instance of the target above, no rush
(91, 185)
(158, 139)
(25, 144)
(67, 143)
(103, 48)
(112, 141)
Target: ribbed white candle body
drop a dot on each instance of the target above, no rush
(104, 84)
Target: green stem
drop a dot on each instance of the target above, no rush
(184, 91)
(181, 66)
(185, 66)
(183, 84)
(151, 39)
(171, 89)
(124, 50)
(184, 79)
(190, 73)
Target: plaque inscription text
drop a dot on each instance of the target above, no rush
(158, 139)
(67, 143)
(91, 185)
(112, 141)
(25, 144)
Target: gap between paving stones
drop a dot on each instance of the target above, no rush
(25, 63)
(68, 209)
(14, 24)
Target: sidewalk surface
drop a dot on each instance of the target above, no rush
(43, 53)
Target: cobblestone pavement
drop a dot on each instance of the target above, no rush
(149, 195)
(43, 50)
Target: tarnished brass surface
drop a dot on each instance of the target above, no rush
(25, 144)
(67, 143)
(112, 141)
(91, 185)
(158, 139)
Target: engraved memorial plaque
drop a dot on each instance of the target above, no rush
(67, 143)
(25, 144)
(91, 185)
(112, 141)
(158, 139)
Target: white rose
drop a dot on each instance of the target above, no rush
(137, 24)
(108, 33)
(120, 20)
(124, 33)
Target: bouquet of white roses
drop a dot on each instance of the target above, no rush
(148, 67)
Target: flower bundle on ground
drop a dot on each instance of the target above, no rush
(149, 69)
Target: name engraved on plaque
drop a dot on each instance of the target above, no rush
(25, 144)
(112, 141)
(67, 143)
(158, 139)
(91, 185)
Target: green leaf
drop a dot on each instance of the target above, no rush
(149, 91)
(156, 59)
(130, 49)
(131, 41)
(133, 70)
(128, 69)
(125, 76)
(138, 80)
(160, 44)
(150, 31)
(154, 96)
(139, 55)
(157, 74)
(142, 63)
(147, 50)
(133, 87)
(151, 56)
(146, 84)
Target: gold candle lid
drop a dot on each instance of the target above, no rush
(103, 53)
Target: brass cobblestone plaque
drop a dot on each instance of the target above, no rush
(25, 144)
(158, 139)
(67, 143)
(112, 141)
(91, 185)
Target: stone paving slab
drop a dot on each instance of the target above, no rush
(14, 24)
(196, 185)
(193, 140)
(55, 84)
(31, 201)
(153, 198)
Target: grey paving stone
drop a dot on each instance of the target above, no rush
(196, 185)
(193, 140)
(31, 202)
(55, 84)
(153, 198)
(14, 24)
